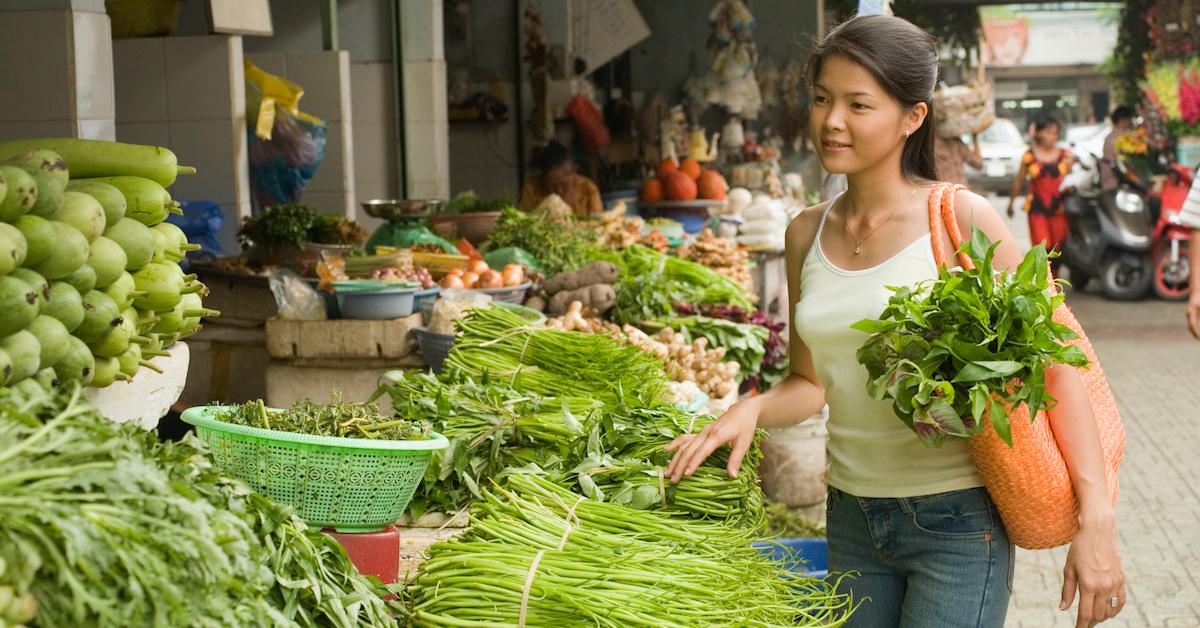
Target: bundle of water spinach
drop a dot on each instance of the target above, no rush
(538, 555)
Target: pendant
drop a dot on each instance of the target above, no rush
(858, 248)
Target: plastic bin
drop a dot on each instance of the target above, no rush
(802, 555)
(388, 303)
(349, 484)
(434, 347)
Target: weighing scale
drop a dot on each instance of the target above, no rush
(405, 224)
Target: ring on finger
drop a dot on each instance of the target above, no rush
(1114, 601)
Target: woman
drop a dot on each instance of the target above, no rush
(557, 176)
(913, 522)
(1044, 165)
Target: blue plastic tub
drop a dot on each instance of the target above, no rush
(801, 555)
(388, 303)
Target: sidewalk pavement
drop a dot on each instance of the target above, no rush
(1153, 366)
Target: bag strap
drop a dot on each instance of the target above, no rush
(943, 219)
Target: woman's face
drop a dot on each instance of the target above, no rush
(854, 122)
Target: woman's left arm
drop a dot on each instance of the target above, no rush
(1094, 560)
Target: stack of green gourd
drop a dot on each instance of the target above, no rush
(90, 282)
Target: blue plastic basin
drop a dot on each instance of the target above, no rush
(801, 555)
(380, 304)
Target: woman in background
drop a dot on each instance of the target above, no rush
(1044, 165)
(557, 176)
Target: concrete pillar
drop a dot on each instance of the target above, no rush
(426, 126)
(57, 56)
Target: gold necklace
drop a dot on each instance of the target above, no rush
(859, 243)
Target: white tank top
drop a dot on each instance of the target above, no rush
(871, 452)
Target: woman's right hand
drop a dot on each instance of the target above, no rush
(1011, 213)
(735, 428)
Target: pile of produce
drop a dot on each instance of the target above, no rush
(558, 246)
(784, 522)
(618, 231)
(102, 525)
(479, 275)
(295, 224)
(343, 420)
(723, 256)
(652, 284)
(948, 351)
(537, 555)
(602, 431)
(469, 203)
(90, 284)
(585, 321)
(690, 361)
(683, 181)
(495, 343)
(590, 286)
(774, 365)
(400, 275)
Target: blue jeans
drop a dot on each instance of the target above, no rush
(934, 561)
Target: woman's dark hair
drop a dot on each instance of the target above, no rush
(1122, 113)
(552, 156)
(903, 58)
(1044, 121)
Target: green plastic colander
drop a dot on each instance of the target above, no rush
(349, 484)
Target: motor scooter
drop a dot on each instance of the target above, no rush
(1111, 244)
(1172, 238)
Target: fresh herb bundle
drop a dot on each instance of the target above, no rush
(104, 526)
(345, 420)
(785, 522)
(335, 229)
(557, 247)
(949, 351)
(652, 284)
(278, 227)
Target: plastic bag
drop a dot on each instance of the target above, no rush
(589, 122)
(294, 298)
(453, 304)
(512, 255)
(286, 144)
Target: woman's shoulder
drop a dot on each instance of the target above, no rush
(802, 230)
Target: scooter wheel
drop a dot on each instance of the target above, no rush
(1078, 277)
(1171, 280)
(1126, 277)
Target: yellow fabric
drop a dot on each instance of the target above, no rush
(871, 452)
(275, 92)
(583, 195)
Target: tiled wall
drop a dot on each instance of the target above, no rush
(188, 93)
(374, 105)
(47, 93)
(325, 77)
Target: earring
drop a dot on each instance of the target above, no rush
(906, 132)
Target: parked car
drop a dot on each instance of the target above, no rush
(1002, 146)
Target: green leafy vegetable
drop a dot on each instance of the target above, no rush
(558, 247)
(278, 227)
(604, 564)
(652, 284)
(955, 351)
(105, 526)
(345, 420)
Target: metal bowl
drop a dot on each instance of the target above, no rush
(392, 208)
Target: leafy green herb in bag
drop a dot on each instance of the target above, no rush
(970, 343)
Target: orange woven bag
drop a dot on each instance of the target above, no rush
(1029, 481)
